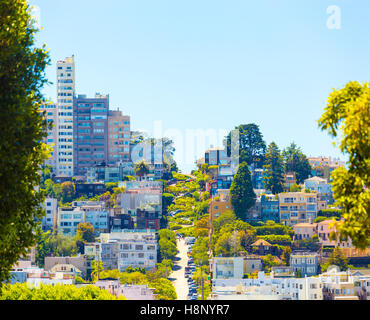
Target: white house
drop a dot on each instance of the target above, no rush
(51, 207)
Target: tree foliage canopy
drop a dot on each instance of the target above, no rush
(58, 292)
(347, 115)
(252, 147)
(23, 127)
(274, 165)
(296, 161)
(241, 192)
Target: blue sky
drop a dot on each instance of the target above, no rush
(213, 64)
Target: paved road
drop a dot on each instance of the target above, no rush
(178, 276)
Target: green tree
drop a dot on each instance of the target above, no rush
(167, 200)
(43, 247)
(223, 245)
(296, 161)
(58, 292)
(200, 251)
(85, 233)
(141, 169)
(274, 165)
(110, 185)
(347, 115)
(252, 147)
(268, 262)
(241, 191)
(164, 289)
(295, 188)
(68, 191)
(168, 249)
(97, 269)
(133, 278)
(336, 258)
(168, 235)
(23, 127)
(285, 255)
(61, 245)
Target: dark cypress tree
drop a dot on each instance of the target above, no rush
(274, 165)
(241, 192)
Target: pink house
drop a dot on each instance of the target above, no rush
(130, 292)
(109, 284)
(323, 230)
(137, 292)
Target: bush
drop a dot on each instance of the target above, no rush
(277, 239)
(58, 292)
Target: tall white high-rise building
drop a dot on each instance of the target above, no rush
(65, 94)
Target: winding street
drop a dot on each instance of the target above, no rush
(178, 275)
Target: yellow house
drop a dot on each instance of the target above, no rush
(297, 207)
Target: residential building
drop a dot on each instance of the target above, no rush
(68, 220)
(252, 263)
(119, 135)
(323, 166)
(110, 284)
(65, 94)
(270, 208)
(86, 212)
(257, 176)
(227, 268)
(304, 231)
(305, 263)
(362, 283)
(297, 207)
(339, 285)
(49, 221)
(267, 288)
(90, 142)
(155, 186)
(321, 187)
(332, 285)
(119, 250)
(136, 249)
(130, 292)
(223, 194)
(118, 222)
(66, 269)
(289, 179)
(60, 178)
(109, 173)
(97, 216)
(254, 213)
(136, 292)
(140, 194)
(148, 217)
(79, 262)
(261, 247)
(282, 272)
(323, 230)
(216, 156)
(220, 182)
(89, 189)
(36, 277)
(217, 208)
(18, 274)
